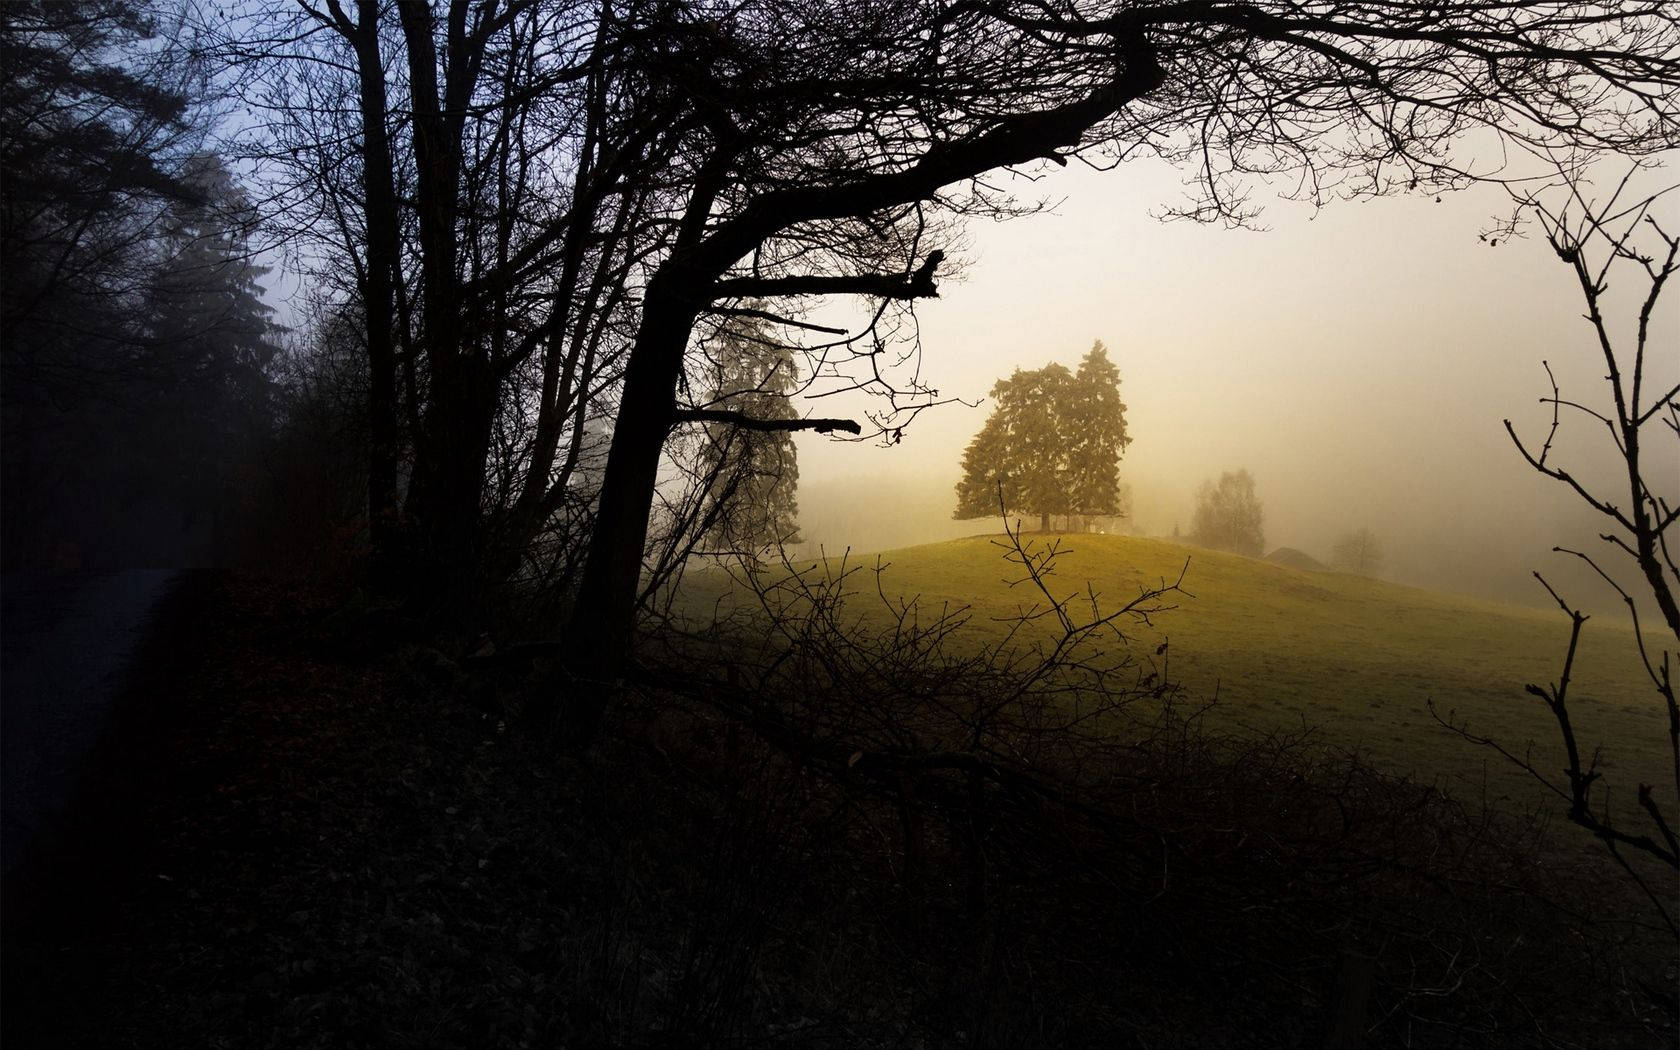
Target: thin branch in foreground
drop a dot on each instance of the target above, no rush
(746, 422)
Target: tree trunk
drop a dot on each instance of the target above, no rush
(1043, 522)
(598, 640)
(444, 499)
(379, 299)
(446, 496)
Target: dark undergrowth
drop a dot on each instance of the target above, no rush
(310, 843)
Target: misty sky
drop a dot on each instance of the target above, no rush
(1358, 360)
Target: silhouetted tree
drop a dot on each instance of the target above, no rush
(1020, 450)
(1359, 551)
(1229, 516)
(1099, 417)
(94, 131)
(478, 182)
(1053, 442)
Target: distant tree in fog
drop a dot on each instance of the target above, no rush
(209, 351)
(752, 475)
(1359, 551)
(1053, 442)
(99, 138)
(1229, 516)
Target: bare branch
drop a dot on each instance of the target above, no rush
(917, 285)
(746, 422)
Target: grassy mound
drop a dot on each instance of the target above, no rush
(1355, 659)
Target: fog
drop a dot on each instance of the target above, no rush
(1358, 360)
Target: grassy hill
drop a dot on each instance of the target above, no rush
(1354, 658)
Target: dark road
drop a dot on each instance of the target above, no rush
(67, 645)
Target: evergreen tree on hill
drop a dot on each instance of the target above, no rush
(1053, 442)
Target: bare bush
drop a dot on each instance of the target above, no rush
(1046, 813)
(1595, 238)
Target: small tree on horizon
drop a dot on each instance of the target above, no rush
(1229, 516)
(1359, 551)
(1053, 443)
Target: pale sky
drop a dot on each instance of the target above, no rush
(1358, 361)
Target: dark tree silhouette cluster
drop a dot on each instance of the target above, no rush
(539, 207)
(137, 351)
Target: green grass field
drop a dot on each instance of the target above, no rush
(1352, 657)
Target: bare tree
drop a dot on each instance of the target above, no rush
(1359, 551)
(477, 181)
(1229, 516)
(1619, 234)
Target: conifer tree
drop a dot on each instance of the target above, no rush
(208, 353)
(1097, 427)
(210, 328)
(753, 476)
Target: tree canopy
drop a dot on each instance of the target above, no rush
(1053, 443)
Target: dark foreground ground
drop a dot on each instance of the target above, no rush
(295, 837)
(68, 645)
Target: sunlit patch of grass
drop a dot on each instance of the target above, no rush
(1353, 657)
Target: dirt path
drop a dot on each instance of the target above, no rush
(68, 643)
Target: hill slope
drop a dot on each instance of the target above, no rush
(1353, 657)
